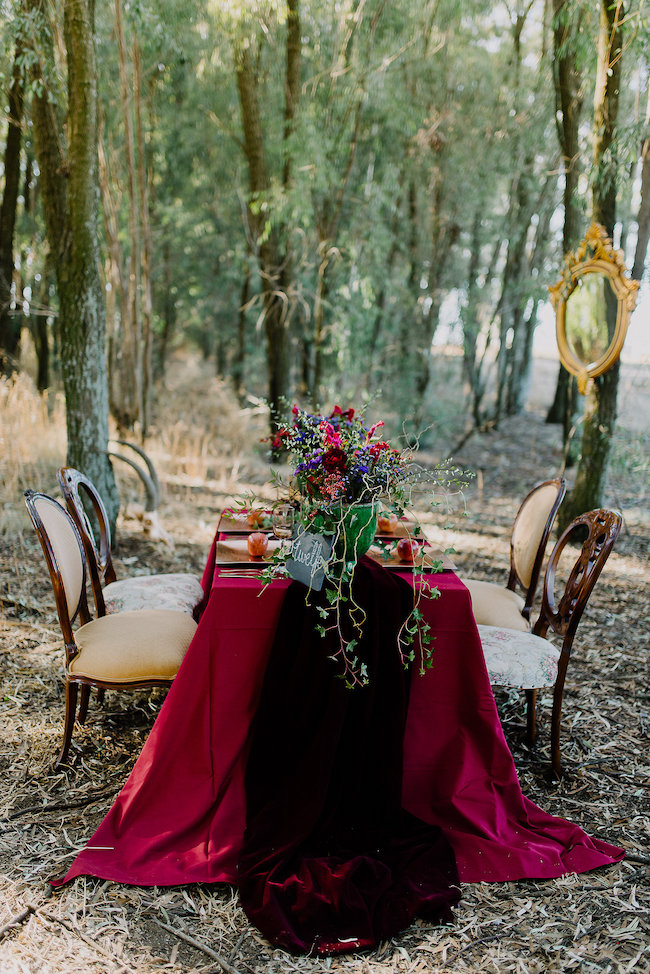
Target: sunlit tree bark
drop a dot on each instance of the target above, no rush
(10, 322)
(600, 408)
(267, 237)
(70, 200)
(568, 105)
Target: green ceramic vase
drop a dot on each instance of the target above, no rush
(357, 528)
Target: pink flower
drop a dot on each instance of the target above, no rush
(332, 436)
(373, 429)
(334, 485)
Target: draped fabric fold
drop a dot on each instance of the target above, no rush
(181, 815)
(330, 860)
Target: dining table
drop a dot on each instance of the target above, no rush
(255, 736)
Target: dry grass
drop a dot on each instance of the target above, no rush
(32, 440)
(593, 922)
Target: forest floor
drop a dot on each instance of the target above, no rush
(598, 921)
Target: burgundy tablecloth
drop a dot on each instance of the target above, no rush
(180, 817)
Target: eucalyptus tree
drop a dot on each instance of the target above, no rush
(11, 319)
(268, 88)
(571, 69)
(151, 63)
(64, 117)
(502, 193)
(601, 403)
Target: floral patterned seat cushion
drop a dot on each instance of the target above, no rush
(178, 591)
(518, 659)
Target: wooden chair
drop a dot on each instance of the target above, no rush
(494, 605)
(529, 661)
(122, 651)
(178, 591)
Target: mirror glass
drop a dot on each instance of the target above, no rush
(590, 304)
(593, 301)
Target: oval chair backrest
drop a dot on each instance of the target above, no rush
(532, 527)
(98, 555)
(603, 527)
(62, 547)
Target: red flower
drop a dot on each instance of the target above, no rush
(276, 442)
(347, 414)
(334, 460)
(377, 448)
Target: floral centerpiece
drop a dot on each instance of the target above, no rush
(344, 473)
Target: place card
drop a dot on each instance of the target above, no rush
(309, 553)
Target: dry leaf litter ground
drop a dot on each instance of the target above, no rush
(597, 921)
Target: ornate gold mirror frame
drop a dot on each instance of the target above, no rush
(594, 256)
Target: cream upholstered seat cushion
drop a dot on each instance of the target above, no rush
(518, 659)
(496, 606)
(133, 646)
(178, 592)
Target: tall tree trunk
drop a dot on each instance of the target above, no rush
(568, 104)
(131, 384)
(39, 328)
(514, 330)
(643, 216)
(117, 308)
(443, 235)
(320, 300)
(520, 361)
(239, 361)
(70, 198)
(271, 264)
(10, 323)
(471, 326)
(146, 245)
(292, 85)
(327, 216)
(473, 359)
(168, 307)
(600, 410)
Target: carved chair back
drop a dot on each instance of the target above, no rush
(602, 528)
(77, 488)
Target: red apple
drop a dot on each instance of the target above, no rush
(407, 549)
(387, 522)
(257, 544)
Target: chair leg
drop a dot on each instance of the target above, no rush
(70, 711)
(556, 756)
(101, 693)
(83, 703)
(556, 716)
(531, 716)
